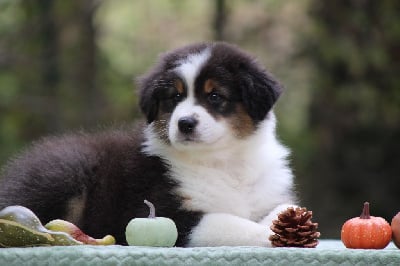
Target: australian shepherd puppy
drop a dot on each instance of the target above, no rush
(208, 157)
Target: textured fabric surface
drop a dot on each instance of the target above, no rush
(328, 252)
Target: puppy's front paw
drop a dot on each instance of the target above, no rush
(221, 229)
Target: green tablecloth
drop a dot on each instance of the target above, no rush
(328, 252)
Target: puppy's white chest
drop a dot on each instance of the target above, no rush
(213, 190)
(247, 178)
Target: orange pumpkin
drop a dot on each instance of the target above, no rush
(366, 232)
(395, 224)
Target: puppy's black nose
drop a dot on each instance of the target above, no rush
(187, 124)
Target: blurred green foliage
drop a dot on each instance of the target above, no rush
(68, 65)
(354, 114)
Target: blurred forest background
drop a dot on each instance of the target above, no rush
(70, 65)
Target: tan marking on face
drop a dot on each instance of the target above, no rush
(179, 86)
(209, 86)
(242, 124)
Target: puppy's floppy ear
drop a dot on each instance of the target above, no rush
(148, 101)
(259, 90)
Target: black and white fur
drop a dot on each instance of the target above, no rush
(208, 157)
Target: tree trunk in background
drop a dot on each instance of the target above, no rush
(39, 51)
(354, 114)
(57, 41)
(79, 62)
(220, 20)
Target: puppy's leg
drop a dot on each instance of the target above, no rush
(221, 229)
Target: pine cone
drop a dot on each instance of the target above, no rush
(294, 229)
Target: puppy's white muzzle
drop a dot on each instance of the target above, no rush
(192, 125)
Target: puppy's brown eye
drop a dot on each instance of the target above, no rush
(215, 98)
(178, 97)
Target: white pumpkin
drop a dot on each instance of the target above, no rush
(152, 231)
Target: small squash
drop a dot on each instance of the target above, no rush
(71, 229)
(152, 231)
(366, 232)
(20, 227)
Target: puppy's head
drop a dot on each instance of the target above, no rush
(206, 94)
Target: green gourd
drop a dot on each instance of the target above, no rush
(20, 227)
(152, 231)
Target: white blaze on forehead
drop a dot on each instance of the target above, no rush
(207, 130)
(190, 67)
